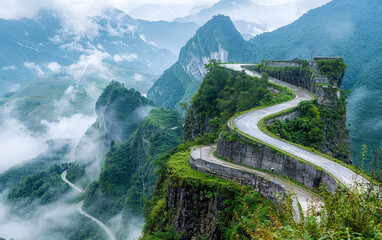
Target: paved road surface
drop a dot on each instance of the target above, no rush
(304, 196)
(79, 208)
(247, 123)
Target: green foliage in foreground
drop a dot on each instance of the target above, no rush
(225, 92)
(306, 129)
(347, 214)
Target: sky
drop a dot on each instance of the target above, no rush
(15, 9)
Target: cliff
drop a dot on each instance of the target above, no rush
(188, 204)
(119, 113)
(120, 152)
(128, 174)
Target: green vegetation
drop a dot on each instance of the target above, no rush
(225, 92)
(306, 129)
(332, 68)
(347, 214)
(120, 107)
(350, 213)
(177, 174)
(86, 229)
(45, 186)
(128, 175)
(15, 177)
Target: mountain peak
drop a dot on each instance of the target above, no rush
(216, 39)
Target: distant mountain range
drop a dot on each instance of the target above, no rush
(47, 72)
(33, 47)
(250, 18)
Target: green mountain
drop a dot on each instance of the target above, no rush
(119, 113)
(128, 174)
(217, 39)
(349, 29)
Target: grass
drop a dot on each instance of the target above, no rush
(179, 165)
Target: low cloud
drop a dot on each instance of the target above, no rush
(54, 67)
(73, 127)
(9, 68)
(91, 62)
(17, 143)
(33, 66)
(129, 58)
(138, 77)
(142, 112)
(46, 221)
(143, 37)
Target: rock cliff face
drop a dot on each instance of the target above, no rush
(332, 109)
(217, 39)
(262, 157)
(192, 212)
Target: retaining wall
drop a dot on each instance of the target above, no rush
(259, 156)
(266, 187)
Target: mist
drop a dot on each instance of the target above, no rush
(44, 222)
(17, 143)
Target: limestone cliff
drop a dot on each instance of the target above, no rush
(188, 204)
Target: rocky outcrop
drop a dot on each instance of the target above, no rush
(332, 107)
(263, 157)
(194, 211)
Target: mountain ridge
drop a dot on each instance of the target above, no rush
(217, 39)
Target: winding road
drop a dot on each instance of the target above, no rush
(79, 208)
(302, 195)
(248, 124)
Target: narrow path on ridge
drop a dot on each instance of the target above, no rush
(304, 196)
(80, 204)
(248, 124)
